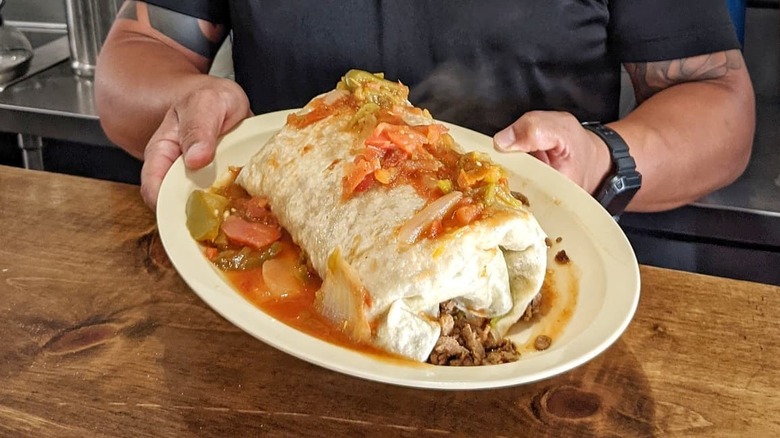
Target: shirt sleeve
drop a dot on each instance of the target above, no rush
(656, 30)
(215, 11)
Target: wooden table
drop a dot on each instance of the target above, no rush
(100, 337)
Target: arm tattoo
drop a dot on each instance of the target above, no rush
(199, 36)
(651, 77)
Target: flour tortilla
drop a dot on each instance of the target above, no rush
(390, 290)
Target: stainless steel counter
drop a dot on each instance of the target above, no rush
(49, 101)
(53, 103)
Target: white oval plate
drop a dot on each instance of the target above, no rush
(607, 270)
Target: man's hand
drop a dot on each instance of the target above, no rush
(191, 128)
(558, 139)
(154, 96)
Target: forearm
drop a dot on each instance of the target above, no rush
(151, 58)
(137, 82)
(690, 139)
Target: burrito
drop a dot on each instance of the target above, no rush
(396, 219)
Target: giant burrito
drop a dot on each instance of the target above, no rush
(396, 219)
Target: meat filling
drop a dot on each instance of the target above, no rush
(467, 340)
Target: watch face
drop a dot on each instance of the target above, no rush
(618, 192)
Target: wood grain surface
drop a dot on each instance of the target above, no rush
(100, 337)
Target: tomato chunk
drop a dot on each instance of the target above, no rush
(410, 139)
(466, 214)
(253, 234)
(357, 172)
(254, 209)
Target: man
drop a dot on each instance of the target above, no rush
(528, 72)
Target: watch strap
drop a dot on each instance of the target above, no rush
(618, 148)
(624, 178)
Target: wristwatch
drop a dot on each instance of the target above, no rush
(620, 186)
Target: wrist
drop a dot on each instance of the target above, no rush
(601, 165)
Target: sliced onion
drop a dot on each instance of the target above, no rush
(425, 217)
(343, 298)
(279, 275)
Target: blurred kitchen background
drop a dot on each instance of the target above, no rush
(48, 121)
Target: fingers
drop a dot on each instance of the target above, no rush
(191, 128)
(558, 140)
(163, 149)
(206, 115)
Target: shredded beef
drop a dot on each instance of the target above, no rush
(473, 344)
(447, 323)
(467, 341)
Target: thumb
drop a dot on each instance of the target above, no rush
(204, 117)
(198, 132)
(520, 136)
(505, 140)
(535, 131)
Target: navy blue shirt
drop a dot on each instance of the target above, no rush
(480, 64)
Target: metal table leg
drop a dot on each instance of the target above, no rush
(32, 150)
